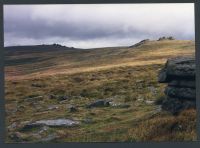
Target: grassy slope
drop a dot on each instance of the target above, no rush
(123, 74)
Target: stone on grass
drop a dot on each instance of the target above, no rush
(72, 109)
(52, 123)
(119, 105)
(99, 103)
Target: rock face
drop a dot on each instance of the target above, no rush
(179, 73)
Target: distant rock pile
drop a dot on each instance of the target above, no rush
(140, 43)
(166, 38)
(179, 73)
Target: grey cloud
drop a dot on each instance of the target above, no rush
(40, 29)
(117, 25)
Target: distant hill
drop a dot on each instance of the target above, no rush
(47, 59)
(36, 48)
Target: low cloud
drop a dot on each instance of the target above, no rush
(86, 26)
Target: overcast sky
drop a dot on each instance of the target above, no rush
(88, 26)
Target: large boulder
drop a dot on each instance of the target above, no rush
(179, 73)
(178, 68)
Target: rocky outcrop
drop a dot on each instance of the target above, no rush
(140, 43)
(179, 74)
(166, 38)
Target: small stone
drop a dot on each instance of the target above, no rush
(18, 137)
(49, 138)
(88, 120)
(63, 102)
(33, 99)
(61, 98)
(119, 105)
(52, 96)
(21, 108)
(37, 85)
(12, 126)
(73, 109)
(149, 102)
(52, 107)
(43, 129)
(153, 90)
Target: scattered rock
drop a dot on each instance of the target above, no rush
(52, 123)
(63, 102)
(37, 85)
(52, 107)
(149, 102)
(171, 38)
(158, 109)
(21, 108)
(44, 129)
(13, 126)
(52, 96)
(99, 103)
(18, 137)
(73, 109)
(88, 121)
(140, 98)
(166, 38)
(61, 98)
(33, 99)
(50, 137)
(119, 105)
(153, 90)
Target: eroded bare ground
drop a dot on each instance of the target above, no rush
(62, 85)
